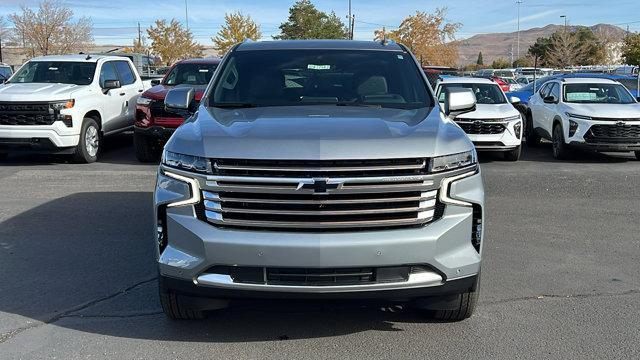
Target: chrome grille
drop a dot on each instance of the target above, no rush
(327, 202)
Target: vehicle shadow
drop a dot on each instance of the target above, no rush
(117, 149)
(544, 153)
(86, 262)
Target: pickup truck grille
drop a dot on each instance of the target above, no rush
(481, 127)
(26, 114)
(334, 198)
(613, 134)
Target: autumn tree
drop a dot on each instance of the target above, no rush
(238, 28)
(139, 46)
(526, 61)
(429, 37)
(631, 49)
(172, 42)
(307, 22)
(500, 63)
(569, 46)
(50, 29)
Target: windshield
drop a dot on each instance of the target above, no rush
(485, 93)
(307, 77)
(597, 94)
(63, 72)
(192, 74)
(539, 83)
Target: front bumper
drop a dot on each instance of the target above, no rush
(158, 132)
(507, 140)
(194, 246)
(38, 137)
(578, 139)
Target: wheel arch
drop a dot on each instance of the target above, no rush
(95, 115)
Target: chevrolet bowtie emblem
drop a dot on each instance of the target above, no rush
(319, 186)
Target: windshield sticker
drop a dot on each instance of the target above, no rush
(203, 70)
(400, 57)
(581, 96)
(318, 67)
(53, 69)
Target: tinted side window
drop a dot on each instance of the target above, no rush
(108, 72)
(127, 76)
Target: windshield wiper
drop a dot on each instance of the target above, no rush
(347, 103)
(234, 105)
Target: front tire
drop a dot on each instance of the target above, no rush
(90, 141)
(174, 310)
(560, 150)
(464, 310)
(513, 155)
(146, 148)
(533, 139)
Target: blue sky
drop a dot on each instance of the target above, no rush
(115, 21)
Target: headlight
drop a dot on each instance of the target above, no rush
(187, 162)
(453, 161)
(576, 116)
(511, 118)
(143, 101)
(60, 105)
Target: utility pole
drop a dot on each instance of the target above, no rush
(518, 3)
(139, 35)
(351, 19)
(0, 48)
(186, 14)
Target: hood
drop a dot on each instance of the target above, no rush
(491, 111)
(612, 111)
(318, 133)
(37, 91)
(159, 92)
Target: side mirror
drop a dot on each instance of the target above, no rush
(110, 84)
(155, 82)
(550, 99)
(180, 101)
(458, 101)
(514, 100)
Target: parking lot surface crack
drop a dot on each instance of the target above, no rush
(563, 296)
(69, 312)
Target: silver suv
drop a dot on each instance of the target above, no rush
(319, 169)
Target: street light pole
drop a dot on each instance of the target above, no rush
(186, 14)
(565, 21)
(518, 2)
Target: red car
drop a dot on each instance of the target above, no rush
(154, 125)
(503, 84)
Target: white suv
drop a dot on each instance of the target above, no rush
(597, 114)
(495, 125)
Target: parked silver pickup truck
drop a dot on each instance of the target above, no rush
(319, 169)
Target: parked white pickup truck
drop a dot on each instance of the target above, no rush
(66, 104)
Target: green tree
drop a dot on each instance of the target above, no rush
(480, 61)
(500, 63)
(539, 48)
(172, 42)
(238, 28)
(631, 49)
(570, 46)
(307, 22)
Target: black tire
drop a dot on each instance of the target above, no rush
(466, 307)
(174, 310)
(533, 139)
(146, 148)
(85, 153)
(637, 155)
(560, 150)
(513, 155)
(3, 156)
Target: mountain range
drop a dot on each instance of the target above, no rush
(501, 45)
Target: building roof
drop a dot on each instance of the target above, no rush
(318, 44)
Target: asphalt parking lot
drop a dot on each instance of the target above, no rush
(560, 273)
